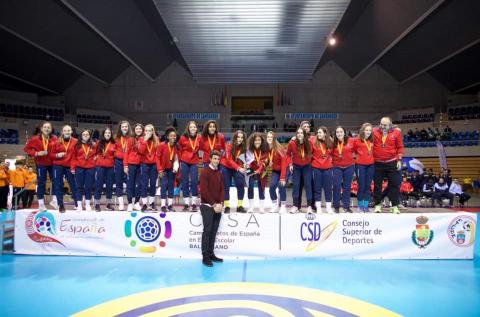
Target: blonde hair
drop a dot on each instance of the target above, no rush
(154, 135)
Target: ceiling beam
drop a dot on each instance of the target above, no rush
(441, 61)
(29, 82)
(467, 87)
(103, 36)
(400, 37)
(52, 54)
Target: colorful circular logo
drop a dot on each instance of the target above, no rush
(461, 231)
(148, 230)
(237, 299)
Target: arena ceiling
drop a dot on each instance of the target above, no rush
(48, 44)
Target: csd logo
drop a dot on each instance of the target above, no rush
(237, 299)
(313, 232)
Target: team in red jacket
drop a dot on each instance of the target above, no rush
(137, 157)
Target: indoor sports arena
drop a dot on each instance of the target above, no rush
(239, 158)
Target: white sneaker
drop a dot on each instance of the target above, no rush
(274, 209)
(283, 209)
(54, 204)
(294, 210)
(262, 208)
(309, 210)
(251, 206)
(79, 206)
(130, 207)
(328, 206)
(121, 205)
(42, 208)
(318, 204)
(137, 206)
(88, 207)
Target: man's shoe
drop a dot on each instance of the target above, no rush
(207, 262)
(214, 258)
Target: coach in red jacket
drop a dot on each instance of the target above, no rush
(387, 153)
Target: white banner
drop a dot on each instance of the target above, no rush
(247, 236)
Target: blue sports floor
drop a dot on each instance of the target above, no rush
(59, 286)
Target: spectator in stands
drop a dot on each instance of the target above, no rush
(410, 133)
(446, 176)
(429, 176)
(17, 180)
(441, 191)
(4, 186)
(428, 190)
(407, 191)
(456, 190)
(30, 186)
(275, 125)
(417, 181)
(418, 134)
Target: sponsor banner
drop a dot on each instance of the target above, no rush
(308, 116)
(195, 116)
(247, 236)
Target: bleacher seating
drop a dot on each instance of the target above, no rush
(9, 136)
(416, 118)
(31, 112)
(466, 138)
(90, 118)
(462, 113)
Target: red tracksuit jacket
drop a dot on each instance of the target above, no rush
(121, 147)
(346, 153)
(208, 144)
(321, 156)
(279, 163)
(295, 157)
(83, 156)
(166, 155)
(106, 157)
(260, 162)
(364, 151)
(147, 151)
(35, 144)
(131, 152)
(390, 149)
(188, 149)
(67, 147)
(231, 162)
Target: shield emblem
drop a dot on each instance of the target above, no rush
(422, 233)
